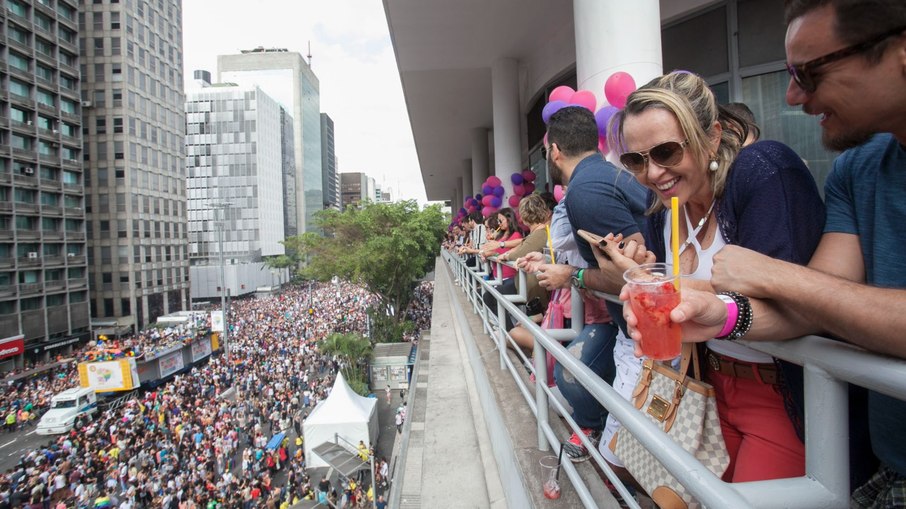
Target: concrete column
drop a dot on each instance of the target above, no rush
(615, 35)
(505, 100)
(457, 191)
(480, 158)
(468, 187)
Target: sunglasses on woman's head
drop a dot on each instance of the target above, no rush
(667, 154)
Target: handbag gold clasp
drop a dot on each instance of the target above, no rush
(658, 408)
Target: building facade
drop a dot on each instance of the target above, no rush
(134, 128)
(235, 153)
(330, 182)
(356, 187)
(498, 77)
(44, 283)
(285, 76)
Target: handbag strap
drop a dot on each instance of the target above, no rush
(690, 355)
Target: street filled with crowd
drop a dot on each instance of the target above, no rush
(210, 437)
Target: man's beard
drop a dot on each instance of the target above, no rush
(846, 140)
(555, 173)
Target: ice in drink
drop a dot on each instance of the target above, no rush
(652, 295)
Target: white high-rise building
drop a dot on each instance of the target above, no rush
(235, 150)
(285, 76)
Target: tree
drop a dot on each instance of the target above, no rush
(385, 246)
(354, 350)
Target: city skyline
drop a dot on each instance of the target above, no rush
(355, 64)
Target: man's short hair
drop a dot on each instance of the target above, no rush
(574, 131)
(476, 217)
(857, 20)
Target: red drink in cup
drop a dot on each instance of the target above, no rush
(653, 295)
(550, 466)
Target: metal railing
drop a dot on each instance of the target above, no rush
(828, 367)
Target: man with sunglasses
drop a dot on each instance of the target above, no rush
(847, 61)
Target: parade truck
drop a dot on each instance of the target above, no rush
(109, 376)
(65, 408)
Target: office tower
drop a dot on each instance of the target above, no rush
(43, 273)
(236, 144)
(356, 187)
(134, 127)
(330, 182)
(287, 144)
(286, 77)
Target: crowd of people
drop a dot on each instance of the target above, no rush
(765, 255)
(419, 310)
(206, 438)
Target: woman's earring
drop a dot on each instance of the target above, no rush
(713, 166)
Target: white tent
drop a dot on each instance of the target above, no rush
(345, 413)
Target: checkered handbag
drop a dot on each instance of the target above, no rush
(685, 409)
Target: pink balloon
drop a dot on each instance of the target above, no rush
(545, 139)
(558, 192)
(519, 190)
(486, 200)
(487, 211)
(514, 201)
(492, 181)
(618, 87)
(528, 187)
(561, 93)
(602, 144)
(528, 175)
(585, 99)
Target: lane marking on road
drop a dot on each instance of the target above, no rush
(31, 432)
(4, 445)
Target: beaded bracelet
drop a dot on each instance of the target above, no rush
(744, 317)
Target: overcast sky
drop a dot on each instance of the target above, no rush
(354, 62)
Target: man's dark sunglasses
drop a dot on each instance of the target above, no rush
(667, 155)
(804, 74)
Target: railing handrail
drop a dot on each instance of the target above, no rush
(828, 366)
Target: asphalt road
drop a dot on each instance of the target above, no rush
(17, 444)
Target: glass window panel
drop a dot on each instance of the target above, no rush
(698, 44)
(761, 31)
(765, 95)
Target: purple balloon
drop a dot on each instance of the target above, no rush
(499, 191)
(486, 189)
(516, 179)
(551, 108)
(478, 196)
(602, 118)
(474, 202)
(462, 210)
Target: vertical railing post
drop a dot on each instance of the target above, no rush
(577, 310)
(501, 338)
(827, 430)
(539, 355)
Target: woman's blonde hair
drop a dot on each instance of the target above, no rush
(533, 209)
(688, 97)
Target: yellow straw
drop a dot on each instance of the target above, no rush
(550, 243)
(674, 244)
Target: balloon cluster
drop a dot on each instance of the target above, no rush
(616, 90)
(488, 201)
(523, 185)
(492, 192)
